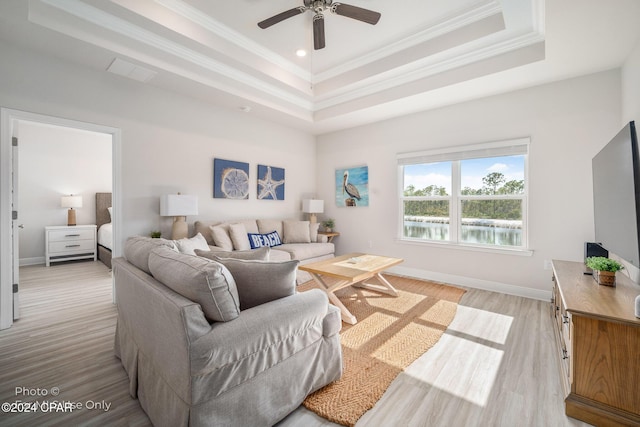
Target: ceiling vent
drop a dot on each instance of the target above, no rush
(132, 71)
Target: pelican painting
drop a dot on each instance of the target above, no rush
(352, 187)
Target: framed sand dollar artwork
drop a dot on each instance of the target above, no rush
(230, 179)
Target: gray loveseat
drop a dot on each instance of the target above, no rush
(199, 360)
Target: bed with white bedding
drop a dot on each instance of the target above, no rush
(105, 228)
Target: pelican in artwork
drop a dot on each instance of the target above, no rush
(349, 188)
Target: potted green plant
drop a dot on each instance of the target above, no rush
(604, 269)
(156, 234)
(328, 225)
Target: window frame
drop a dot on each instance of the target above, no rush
(456, 155)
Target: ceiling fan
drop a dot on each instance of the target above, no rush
(319, 6)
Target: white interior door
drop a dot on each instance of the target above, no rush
(15, 229)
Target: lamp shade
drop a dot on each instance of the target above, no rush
(178, 205)
(312, 206)
(71, 201)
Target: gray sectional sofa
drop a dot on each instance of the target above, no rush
(203, 346)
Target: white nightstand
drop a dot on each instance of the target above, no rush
(66, 243)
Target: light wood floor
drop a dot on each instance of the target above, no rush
(494, 366)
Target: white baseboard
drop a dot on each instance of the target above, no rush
(31, 261)
(470, 282)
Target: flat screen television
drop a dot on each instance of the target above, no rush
(616, 195)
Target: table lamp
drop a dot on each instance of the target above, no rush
(178, 206)
(71, 202)
(312, 207)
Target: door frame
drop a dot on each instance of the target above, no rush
(8, 119)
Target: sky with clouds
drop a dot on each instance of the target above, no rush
(472, 171)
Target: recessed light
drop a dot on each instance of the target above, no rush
(301, 53)
(245, 109)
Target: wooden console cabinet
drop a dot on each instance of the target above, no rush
(598, 338)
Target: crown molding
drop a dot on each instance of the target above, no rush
(190, 64)
(216, 27)
(112, 23)
(427, 67)
(455, 21)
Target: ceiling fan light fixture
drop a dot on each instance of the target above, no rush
(319, 6)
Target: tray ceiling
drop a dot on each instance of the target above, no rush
(214, 50)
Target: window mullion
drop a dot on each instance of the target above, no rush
(454, 204)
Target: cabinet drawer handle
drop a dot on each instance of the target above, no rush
(72, 235)
(72, 246)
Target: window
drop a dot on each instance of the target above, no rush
(473, 195)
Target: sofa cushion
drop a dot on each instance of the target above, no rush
(203, 281)
(239, 237)
(189, 245)
(302, 251)
(138, 248)
(278, 255)
(264, 240)
(220, 236)
(268, 225)
(259, 282)
(296, 232)
(261, 254)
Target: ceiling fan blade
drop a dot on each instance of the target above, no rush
(281, 17)
(354, 12)
(318, 31)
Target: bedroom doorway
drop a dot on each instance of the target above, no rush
(10, 218)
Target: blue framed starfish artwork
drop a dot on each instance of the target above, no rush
(352, 187)
(270, 183)
(230, 179)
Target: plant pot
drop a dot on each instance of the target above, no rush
(606, 278)
(327, 229)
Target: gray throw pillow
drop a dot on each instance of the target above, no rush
(261, 254)
(203, 281)
(259, 282)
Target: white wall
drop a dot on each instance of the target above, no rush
(56, 161)
(168, 141)
(631, 87)
(568, 122)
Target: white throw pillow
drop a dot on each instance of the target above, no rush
(313, 231)
(220, 236)
(188, 246)
(296, 232)
(239, 237)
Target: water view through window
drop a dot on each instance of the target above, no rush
(485, 197)
(474, 234)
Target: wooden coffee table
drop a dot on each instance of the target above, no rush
(352, 269)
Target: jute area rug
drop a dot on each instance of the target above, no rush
(390, 334)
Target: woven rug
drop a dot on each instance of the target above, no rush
(390, 334)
